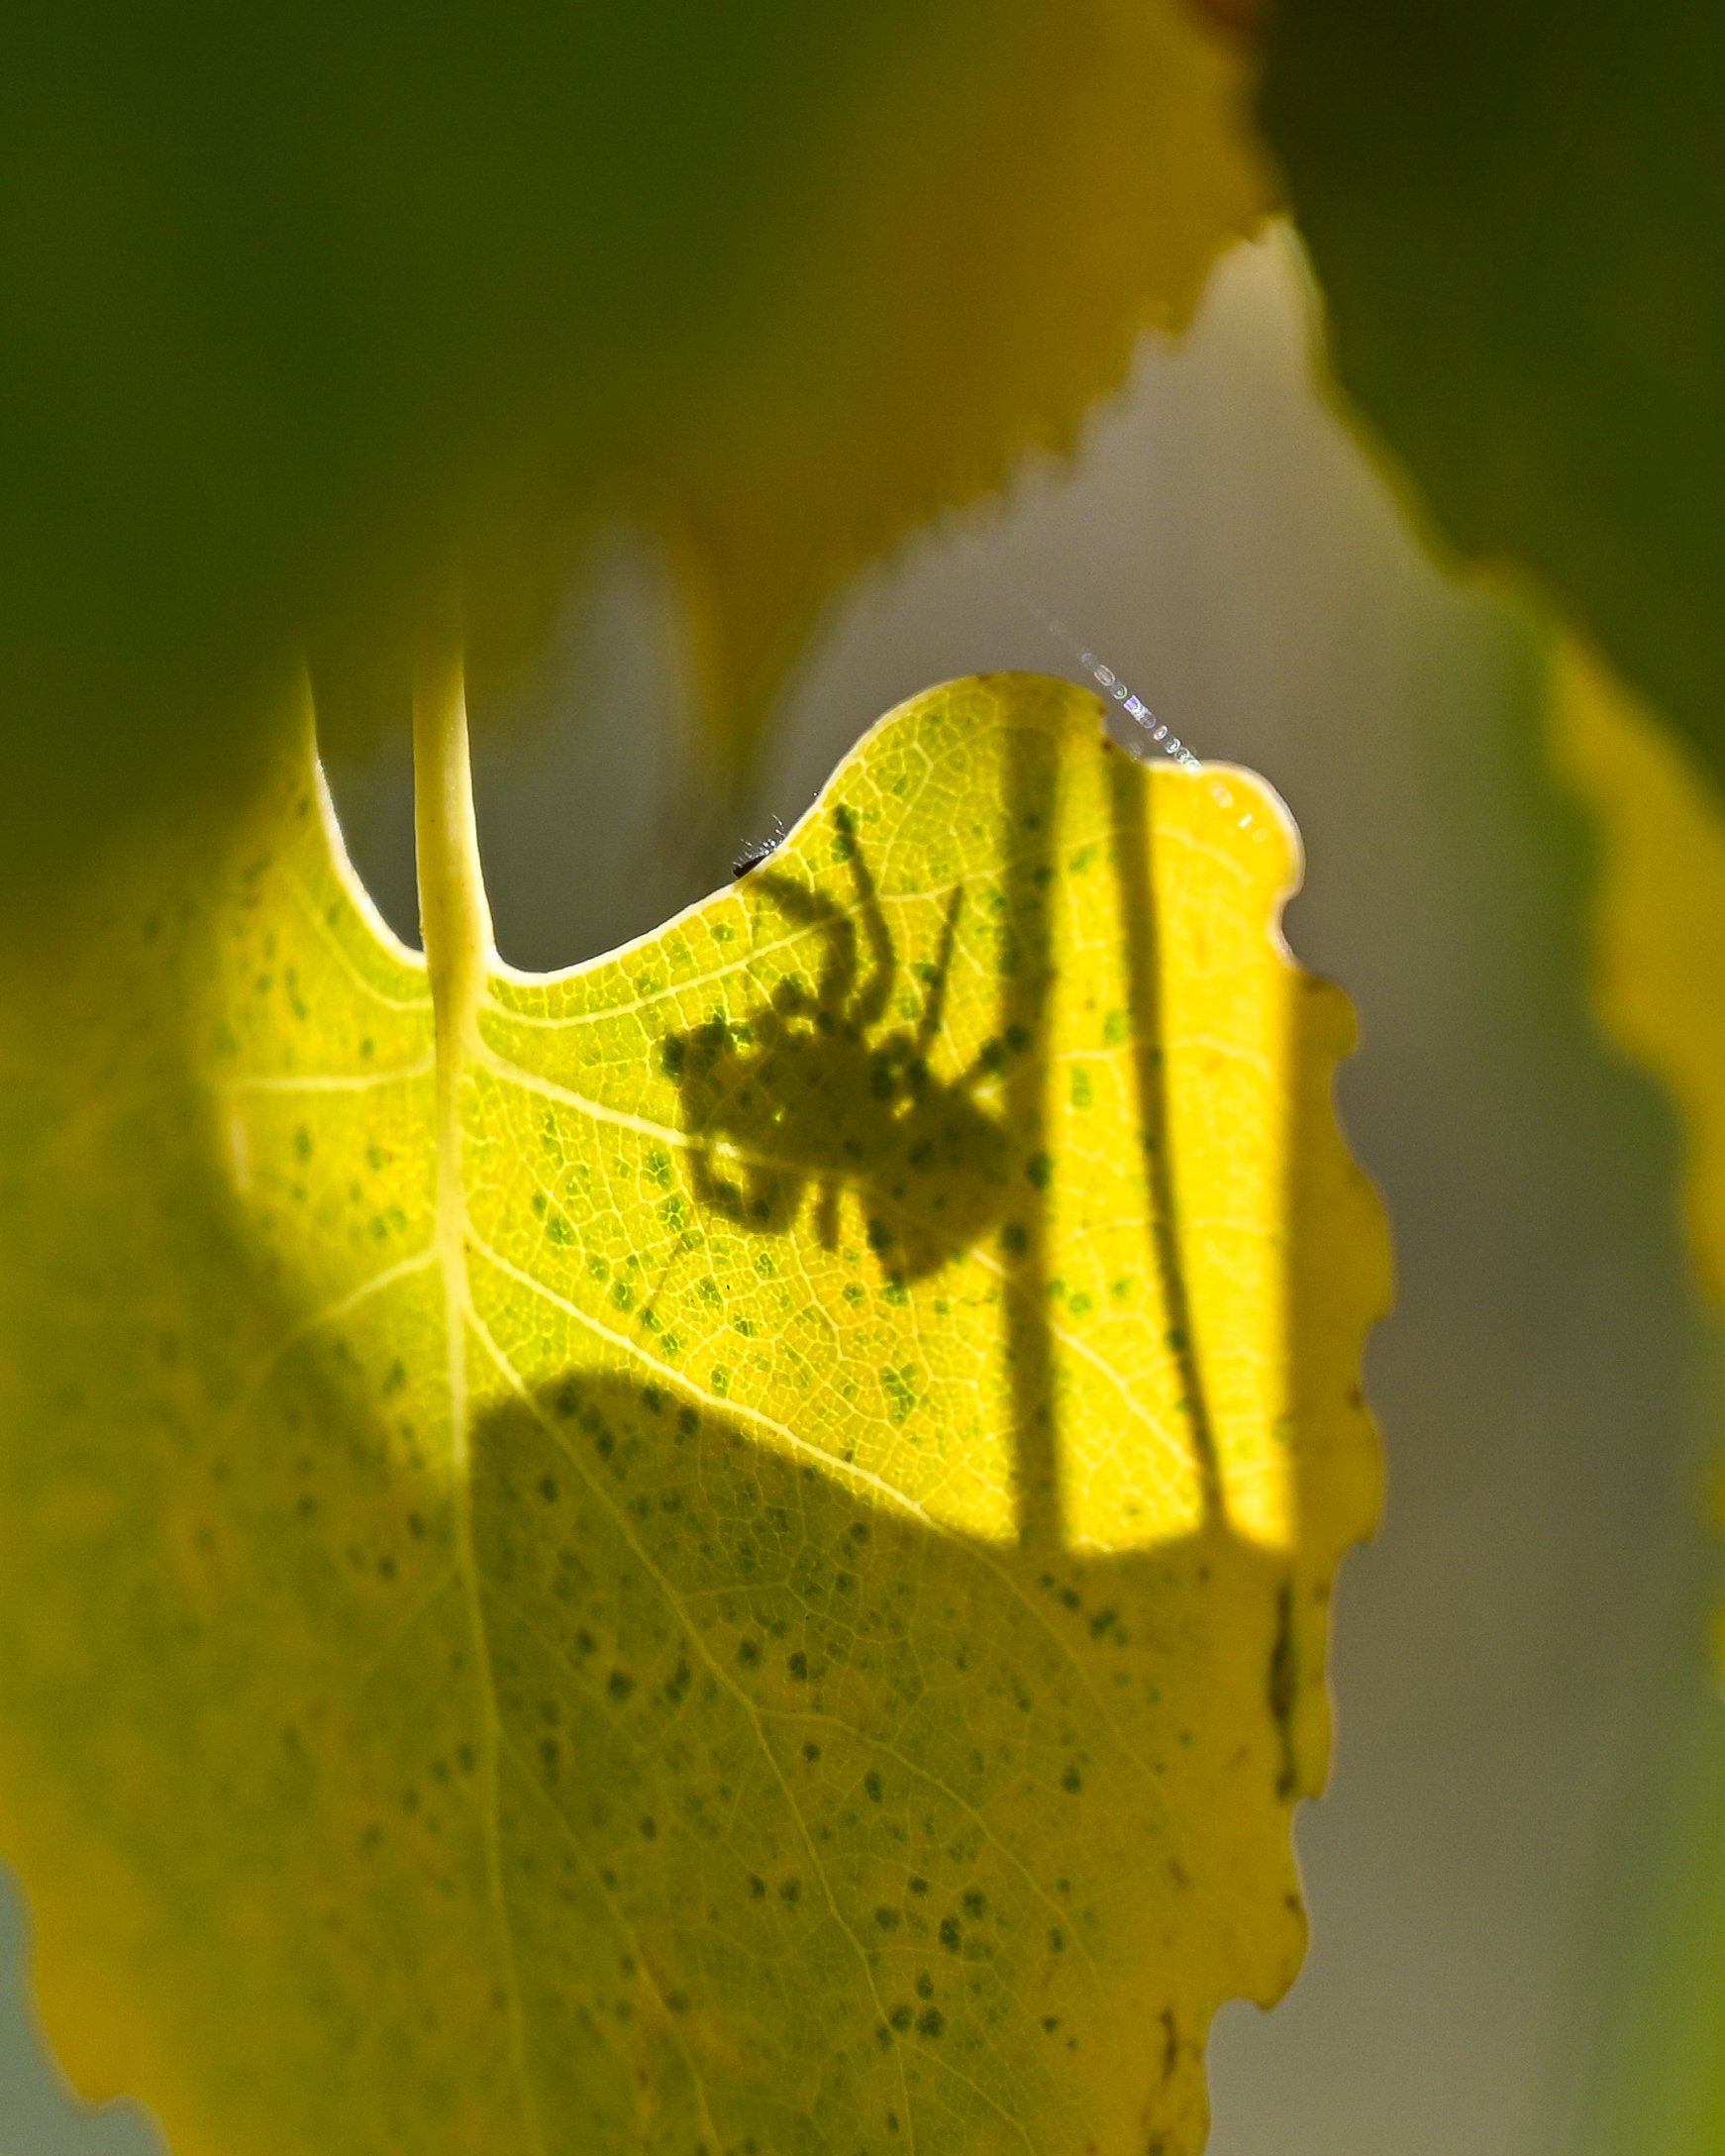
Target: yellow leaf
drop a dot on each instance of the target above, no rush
(1658, 984)
(984, 247)
(729, 1549)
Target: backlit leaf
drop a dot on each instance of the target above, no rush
(736, 1555)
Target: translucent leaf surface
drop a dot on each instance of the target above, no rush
(738, 1555)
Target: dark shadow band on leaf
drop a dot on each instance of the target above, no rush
(848, 1810)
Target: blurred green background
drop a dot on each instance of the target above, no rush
(1518, 1879)
(300, 298)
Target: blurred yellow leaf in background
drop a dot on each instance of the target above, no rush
(1658, 938)
(976, 268)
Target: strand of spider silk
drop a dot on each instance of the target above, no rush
(1154, 734)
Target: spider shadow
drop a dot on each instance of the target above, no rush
(812, 1090)
(855, 1807)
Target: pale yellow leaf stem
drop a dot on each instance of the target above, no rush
(456, 927)
(454, 919)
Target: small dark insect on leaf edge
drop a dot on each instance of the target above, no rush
(757, 851)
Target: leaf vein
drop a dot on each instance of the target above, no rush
(721, 1676)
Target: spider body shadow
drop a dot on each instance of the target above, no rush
(812, 1090)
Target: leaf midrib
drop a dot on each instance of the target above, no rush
(456, 928)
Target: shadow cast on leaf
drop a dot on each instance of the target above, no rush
(811, 1089)
(824, 1828)
(877, 1836)
(724, 1803)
